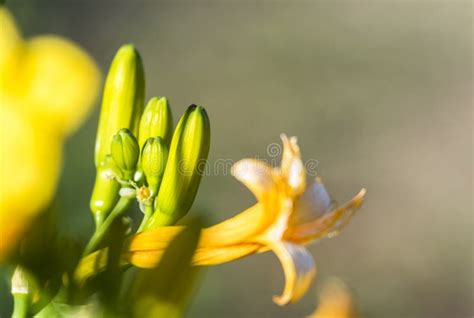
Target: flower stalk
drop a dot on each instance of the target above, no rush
(102, 230)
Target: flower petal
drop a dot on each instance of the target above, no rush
(202, 256)
(239, 228)
(255, 175)
(60, 82)
(11, 48)
(218, 244)
(329, 224)
(224, 254)
(231, 231)
(30, 162)
(299, 268)
(350, 208)
(292, 168)
(314, 202)
(335, 301)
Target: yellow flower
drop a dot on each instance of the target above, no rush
(335, 301)
(289, 214)
(47, 87)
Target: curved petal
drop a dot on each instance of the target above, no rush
(218, 244)
(237, 229)
(202, 256)
(314, 202)
(292, 168)
(255, 175)
(299, 268)
(328, 225)
(60, 83)
(220, 255)
(349, 209)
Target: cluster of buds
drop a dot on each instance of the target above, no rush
(137, 154)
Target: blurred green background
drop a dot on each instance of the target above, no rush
(379, 92)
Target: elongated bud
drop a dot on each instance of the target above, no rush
(125, 152)
(123, 99)
(154, 157)
(156, 121)
(122, 106)
(188, 153)
(106, 189)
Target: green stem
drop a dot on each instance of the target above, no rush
(99, 219)
(146, 217)
(21, 305)
(101, 231)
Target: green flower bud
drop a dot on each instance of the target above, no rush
(188, 152)
(154, 157)
(122, 106)
(156, 121)
(106, 189)
(111, 168)
(123, 99)
(125, 152)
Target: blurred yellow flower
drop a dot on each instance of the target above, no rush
(47, 87)
(289, 214)
(335, 301)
